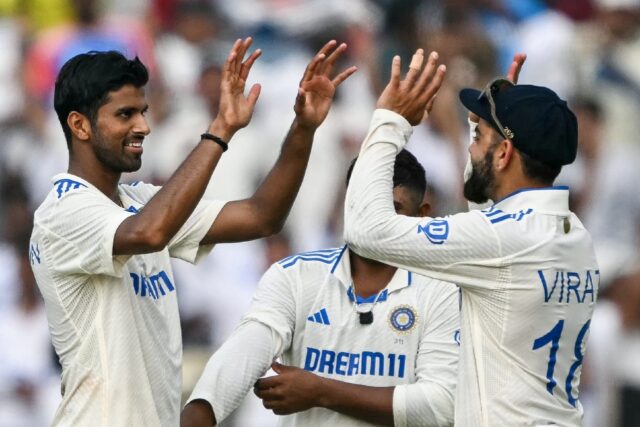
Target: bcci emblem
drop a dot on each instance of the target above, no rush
(403, 318)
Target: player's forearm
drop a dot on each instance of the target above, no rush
(234, 369)
(370, 404)
(275, 195)
(369, 199)
(197, 413)
(167, 211)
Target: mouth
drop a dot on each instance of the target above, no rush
(134, 145)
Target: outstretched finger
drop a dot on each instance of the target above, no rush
(428, 72)
(337, 80)
(434, 86)
(246, 65)
(312, 67)
(415, 66)
(229, 64)
(242, 50)
(516, 66)
(394, 80)
(327, 47)
(328, 64)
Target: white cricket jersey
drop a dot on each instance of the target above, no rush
(306, 303)
(529, 281)
(113, 319)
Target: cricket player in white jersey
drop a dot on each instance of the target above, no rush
(526, 265)
(100, 250)
(368, 343)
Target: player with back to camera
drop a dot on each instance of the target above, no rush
(366, 343)
(526, 265)
(101, 249)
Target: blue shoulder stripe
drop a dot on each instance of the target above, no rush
(326, 256)
(320, 253)
(65, 185)
(308, 258)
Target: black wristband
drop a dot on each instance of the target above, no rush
(215, 139)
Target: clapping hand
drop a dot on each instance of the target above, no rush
(236, 109)
(413, 97)
(317, 88)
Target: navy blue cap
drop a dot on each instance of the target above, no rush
(541, 123)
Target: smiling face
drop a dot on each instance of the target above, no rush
(481, 183)
(120, 128)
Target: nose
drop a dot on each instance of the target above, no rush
(141, 126)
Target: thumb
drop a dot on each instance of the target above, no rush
(254, 93)
(300, 100)
(278, 367)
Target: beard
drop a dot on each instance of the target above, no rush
(117, 160)
(479, 186)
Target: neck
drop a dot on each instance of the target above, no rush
(512, 181)
(95, 173)
(369, 276)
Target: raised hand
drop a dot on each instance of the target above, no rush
(316, 90)
(516, 66)
(513, 73)
(292, 390)
(236, 109)
(413, 97)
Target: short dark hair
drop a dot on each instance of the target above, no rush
(538, 171)
(84, 83)
(407, 172)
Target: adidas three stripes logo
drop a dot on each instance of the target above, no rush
(320, 317)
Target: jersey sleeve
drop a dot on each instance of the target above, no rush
(186, 243)
(462, 248)
(264, 333)
(80, 232)
(235, 368)
(430, 400)
(274, 305)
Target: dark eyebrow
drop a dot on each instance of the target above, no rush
(130, 109)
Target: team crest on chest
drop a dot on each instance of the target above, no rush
(403, 319)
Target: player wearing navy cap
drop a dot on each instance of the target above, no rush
(525, 265)
(369, 344)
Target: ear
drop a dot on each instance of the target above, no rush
(503, 154)
(80, 125)
(425, 209)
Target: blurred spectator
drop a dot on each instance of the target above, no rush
(610, 67)
(609, 210)
(90, 30)
(29, 380)
(548, 37)
(612, 390)
(10, 69)
(179, 51)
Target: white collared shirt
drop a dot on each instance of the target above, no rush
(529, 281)
(306, 303)
(113, 319)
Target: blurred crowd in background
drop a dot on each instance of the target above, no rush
(586, 50)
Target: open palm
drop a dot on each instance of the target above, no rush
(316, 90)
(236, 109)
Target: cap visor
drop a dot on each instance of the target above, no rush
(470, 98)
